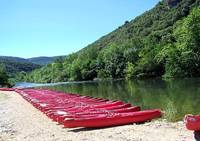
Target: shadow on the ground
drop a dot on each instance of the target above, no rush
(89, 129)
(92, 129)
(197, 135)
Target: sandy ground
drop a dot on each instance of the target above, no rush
(20, 121)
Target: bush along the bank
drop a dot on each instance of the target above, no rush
(4, 78)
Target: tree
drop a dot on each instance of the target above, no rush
(3, 76)
(130, 70)
(185, 59)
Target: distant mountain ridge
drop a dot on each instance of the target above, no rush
(19, 65)
(16, 65)
(42, 60)
(13, 59)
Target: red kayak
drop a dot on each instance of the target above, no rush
(61, 118)
(7, 89)
(192, 122)
(74, 106)
(112, 120)
(85, 109)
(59, 113)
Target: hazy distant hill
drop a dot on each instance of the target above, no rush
(17, 64)
(35, 60)
(42, 60)
(13, 59)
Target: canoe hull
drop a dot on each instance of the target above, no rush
(60, 119)
(7, 89)
(113, 121)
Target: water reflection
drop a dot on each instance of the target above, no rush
(175, 97)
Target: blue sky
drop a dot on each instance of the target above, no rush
(30, 28)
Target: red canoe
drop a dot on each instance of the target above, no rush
(61, 118)
(87, 109)
(7, 89)
(192, 122)
(112, 120)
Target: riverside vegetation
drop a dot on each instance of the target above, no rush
(3, 76)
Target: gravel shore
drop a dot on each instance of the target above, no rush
(20, 121)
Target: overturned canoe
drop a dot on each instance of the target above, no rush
(112, 120)
(192, 122)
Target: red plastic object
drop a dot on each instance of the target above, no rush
(7, 89)
(106, 120)
(192, 122)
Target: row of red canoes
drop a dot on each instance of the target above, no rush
(73, 110)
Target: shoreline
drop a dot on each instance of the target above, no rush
(35, 84)
(20, 121)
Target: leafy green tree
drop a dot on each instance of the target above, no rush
(130, 70)
(114, 59)
(185, 58)
(3, 76)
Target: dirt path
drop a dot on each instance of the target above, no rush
(20, 121)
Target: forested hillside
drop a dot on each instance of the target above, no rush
(18, 66)
(162, 42)
(42, 60)
(14, 69)
(11, 68)
(35, 60)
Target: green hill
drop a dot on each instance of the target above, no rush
(13, 59)
(35, 60)
(15, 67)
(12, 67)
(162, 42)
(43, 60)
